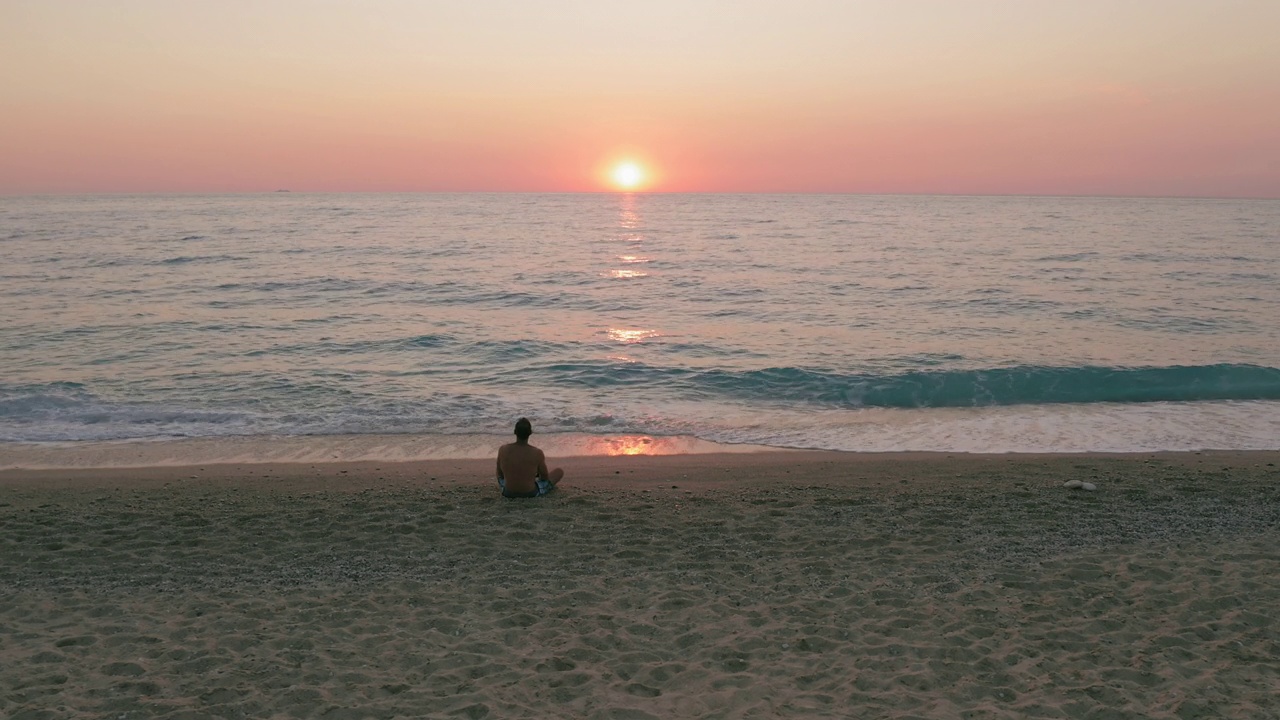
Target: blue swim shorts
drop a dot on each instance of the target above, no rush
(544, 487)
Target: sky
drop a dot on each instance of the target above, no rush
(1044, 97)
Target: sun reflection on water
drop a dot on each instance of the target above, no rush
(629, 445)
(627, 274)
(630, 337)
(630, 217)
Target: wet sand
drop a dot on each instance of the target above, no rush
(712, 586)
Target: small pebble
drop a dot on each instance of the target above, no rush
(1088, 486)
(1073, 484)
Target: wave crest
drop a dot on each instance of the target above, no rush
(1021, 385)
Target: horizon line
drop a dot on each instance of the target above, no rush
(201, 193)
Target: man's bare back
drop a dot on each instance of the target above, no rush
(521, 466)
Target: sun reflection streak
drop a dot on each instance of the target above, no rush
(633, 259)
(627, 274)
(629, 445)
(629, 217)
(630, 337)
(642, 445)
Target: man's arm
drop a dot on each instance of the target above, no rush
(542, 467)
(499, 470)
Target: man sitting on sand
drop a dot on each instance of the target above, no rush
(522, 468)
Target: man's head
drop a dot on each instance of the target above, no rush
(523, 429)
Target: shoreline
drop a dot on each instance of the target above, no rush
(1032, 429)
(823, 467)
(235, 451)
(312, 449)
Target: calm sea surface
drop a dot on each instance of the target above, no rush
(840, 322)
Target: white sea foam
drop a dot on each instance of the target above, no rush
(1049, 429)
(1110, 427)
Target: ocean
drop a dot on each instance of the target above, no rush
(624, 323)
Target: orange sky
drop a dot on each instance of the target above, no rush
(1126, 97)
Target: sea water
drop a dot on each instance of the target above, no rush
(637, 322)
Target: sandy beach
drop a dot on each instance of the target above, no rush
(788, 584)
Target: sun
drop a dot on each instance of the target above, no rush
(628, 175)
(628, 170)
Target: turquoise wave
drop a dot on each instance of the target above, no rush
(330, 404)
(1021, 385)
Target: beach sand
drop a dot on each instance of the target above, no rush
(789, 584)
